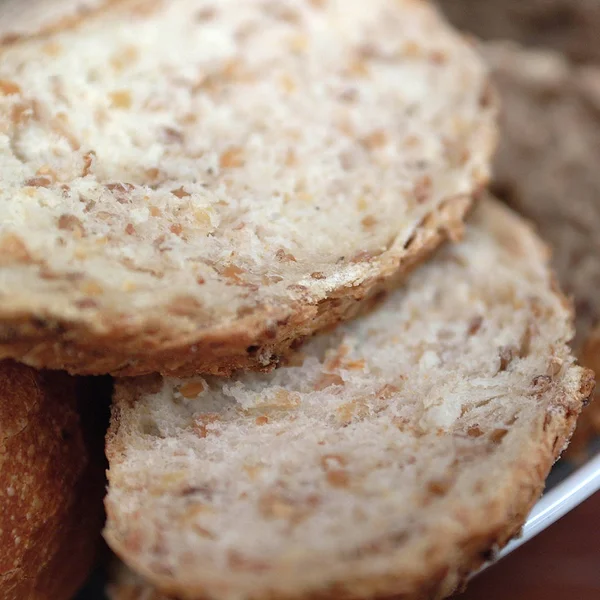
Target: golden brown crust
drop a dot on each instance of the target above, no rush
(256, 342)
(483, 534)
(51, 486)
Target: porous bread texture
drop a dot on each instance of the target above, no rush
(390, 459)
(192, 186)
(568, 26)
(546, 168)
(51, 485)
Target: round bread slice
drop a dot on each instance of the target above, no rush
(546, 169)
(51, 484)
(392, 458)
(193, 186)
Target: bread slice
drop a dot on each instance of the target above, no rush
(51, 484)
(191, 186)
(392, 458)
(546, 168)
(568, 26)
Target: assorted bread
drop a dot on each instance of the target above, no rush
(391, 458)
(190, 191)
(51, 484)
(180, 198)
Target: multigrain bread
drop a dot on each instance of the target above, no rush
(546, 168)
(392, 458)
(568, 26)
(51, 484)
(192, 186)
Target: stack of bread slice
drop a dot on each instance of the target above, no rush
(330, 379)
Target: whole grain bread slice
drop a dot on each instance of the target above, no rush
(192, 186)
(391, 458)
(546, 169)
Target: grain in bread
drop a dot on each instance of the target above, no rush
(546, 168)
(391, 458)
(51, 484)
(192, 186)
(568, 26)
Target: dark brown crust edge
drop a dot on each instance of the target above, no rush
(51, 484)
(257, 342)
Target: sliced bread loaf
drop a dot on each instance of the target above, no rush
(391, 457)
(192, 186)
(546, 168)
(51, 484)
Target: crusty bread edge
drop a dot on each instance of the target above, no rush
(258, 341)
(60, 515)
(481, 537)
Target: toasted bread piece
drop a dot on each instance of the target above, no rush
(51, 484)
(546, 168)
(192, 186)
(568, 26)
(391, 458)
